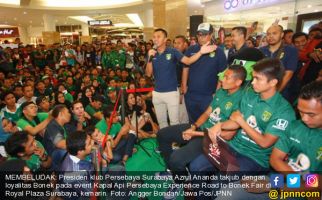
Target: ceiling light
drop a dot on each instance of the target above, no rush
(24, 12)
(135, 18)
(124, 25)
(316, 10)
(86, 3)
(84, 19)
(11, 2)
(309, 6)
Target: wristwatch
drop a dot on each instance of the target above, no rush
(194, 125)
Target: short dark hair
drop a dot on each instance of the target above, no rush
(252, 40)
(57, 109)
(162, 30)
(107, 112)
(183, 38)
(76, 102)
(299, 34)
(241, 30)
(287, 31)
(239, 72)
(24, 86)
(15, 143)
(272, 68)
(75, 142)
(98, 98)
(5, 94)
(312, 90)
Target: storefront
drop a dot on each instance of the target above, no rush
(9, 33)
(230, 13)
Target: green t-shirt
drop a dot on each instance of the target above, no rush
(34, 162)
(303, 146)
(23, 122)
(90, 110)
(270, 116)
(102, 126)
(12, 116)
(223, 104)
(69, 97)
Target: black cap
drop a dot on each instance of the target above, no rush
(27, 103)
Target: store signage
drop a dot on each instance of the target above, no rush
(9, 32)
(100, 23)
(234, 5)
(11, 46)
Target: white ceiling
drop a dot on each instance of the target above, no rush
(31, 12)
(32, 15)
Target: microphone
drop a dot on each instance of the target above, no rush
(155, 48)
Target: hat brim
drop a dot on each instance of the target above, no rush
(203, 32)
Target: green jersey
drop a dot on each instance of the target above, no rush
(69, 97)
(102, 126)
(23, 122)
(34, 162)
(106, 60)
(303, 146)
(12, 116)
(222, 105)
(90, 110)
(270, 116)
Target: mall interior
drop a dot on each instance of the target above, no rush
(45, 22)
(159, 98)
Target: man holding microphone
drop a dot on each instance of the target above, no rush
(162, 64)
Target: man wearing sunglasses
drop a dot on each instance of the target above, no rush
(199, 80)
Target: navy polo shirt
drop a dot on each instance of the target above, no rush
(164, 70)
(203, 73)
(289, 58)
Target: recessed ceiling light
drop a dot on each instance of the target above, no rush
(202, 6)
(15, 18)
(30, 21)
(24, 12)
(316, 10)
(309, 6)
